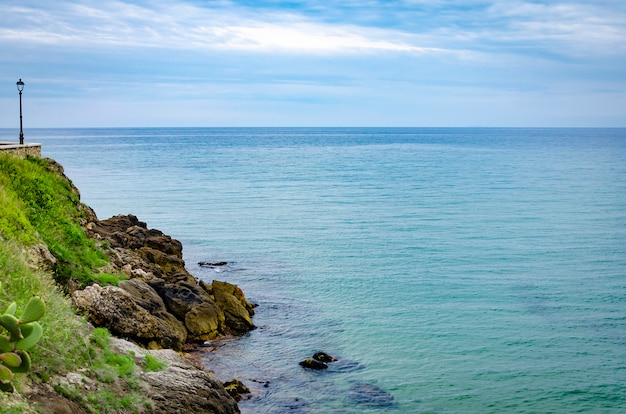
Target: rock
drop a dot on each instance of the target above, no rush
(115, 309)
(49, 401)
(188, 390)
(144, 295)
(194, 306)
(205, 321)
(41, 258)
(180, 387)
(212, 264)
(369, 394)
(236, 388)
(169, 264)
(293, 405)
(179, 297)
(162, 287)
(313, 364)
(318, 362)
(323, 357)
(131, 242)
(235, 306)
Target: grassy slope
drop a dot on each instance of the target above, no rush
(37, 205)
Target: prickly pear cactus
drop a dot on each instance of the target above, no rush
(18, 335)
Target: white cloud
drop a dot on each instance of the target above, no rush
(190, 27)
(566, 27)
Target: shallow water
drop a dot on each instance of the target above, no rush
(450, 270)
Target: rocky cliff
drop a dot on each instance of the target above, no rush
(157, 308)
(161, 305)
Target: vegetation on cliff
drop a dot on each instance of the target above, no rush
(40, 207)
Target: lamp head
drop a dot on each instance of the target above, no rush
(20, 85)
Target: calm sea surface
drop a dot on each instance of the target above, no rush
(450, 270)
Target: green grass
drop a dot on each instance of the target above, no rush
(39, 202)
(153, 365)
(63, 343)
(37, 205)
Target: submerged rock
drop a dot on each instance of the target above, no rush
(319, 361)
(236, 388)
(291, 405)
(313, 364)
(370, 394)
(212, 264)
(324, 357)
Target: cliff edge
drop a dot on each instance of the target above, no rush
(100, 276)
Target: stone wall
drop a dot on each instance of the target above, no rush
(20, 150)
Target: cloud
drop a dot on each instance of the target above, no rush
(311, 60)
(577, 29)
(191, 27)
(463, 29)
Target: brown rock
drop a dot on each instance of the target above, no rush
(313, 364)
(205, 321)
(236, 388)
(231, 301)
(205, 311)
(144, 295)
(115, 309)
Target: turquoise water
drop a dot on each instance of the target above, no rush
(454, 270)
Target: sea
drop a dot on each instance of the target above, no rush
(448, 270)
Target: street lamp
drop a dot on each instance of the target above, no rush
(20, 87)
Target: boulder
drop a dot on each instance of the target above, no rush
(236, 388)
(212, 264)
(130, 241)
(115, 309)
(179, 297)
(190, 303)
(205, 321)
(313, 364)
(161, 286)
(188, 390)
(180, 387)
(323, 357)
(144, 295)
(235, 306)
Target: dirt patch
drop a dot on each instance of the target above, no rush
(49, 402)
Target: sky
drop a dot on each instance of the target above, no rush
(203, 63)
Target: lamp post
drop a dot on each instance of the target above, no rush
(20, 88)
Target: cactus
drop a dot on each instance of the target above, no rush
(23, 333)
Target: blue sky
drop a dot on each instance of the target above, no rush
(99, 63)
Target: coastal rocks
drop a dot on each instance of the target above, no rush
(128, 241)
(161, 295)
(318, 362)
(115, 309)
(324, 357)
(236, 388)
(192, 305)
(180, 387)
(313, 364)
(185, 389)
(237, 310)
